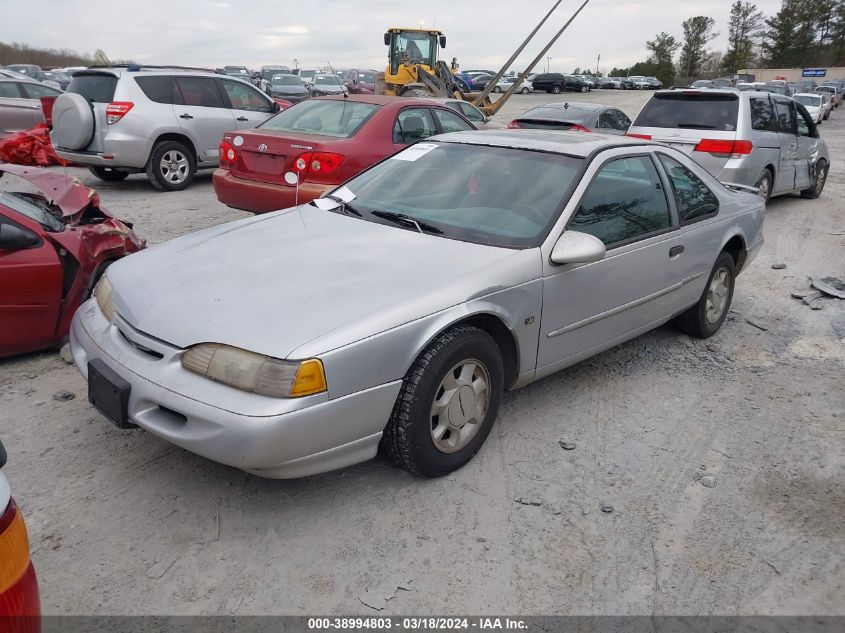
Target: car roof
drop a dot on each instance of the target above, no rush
(807, 94)
(570, 143)
(382, 100)
(20, 80)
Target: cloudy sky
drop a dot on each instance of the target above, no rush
(349, 33)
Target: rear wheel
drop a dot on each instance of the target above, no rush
(171, 166)
(556, 90)
(819, 179)
(497, 89)
(108, 174)
(448, 402)
(416, 92)
(585, 88)
(524, 91)
(764, 185)
(705, 318)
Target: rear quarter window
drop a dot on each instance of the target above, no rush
(96, 87)
(158, 89)
(762, 115)
(691, 111)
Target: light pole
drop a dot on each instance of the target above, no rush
(548, 61)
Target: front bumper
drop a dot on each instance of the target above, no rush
(262, 197)
(276, 438)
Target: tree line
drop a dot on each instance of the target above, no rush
(16, 53)
(804, 33)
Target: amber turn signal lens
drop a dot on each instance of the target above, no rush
(310, 378)
(14, 548)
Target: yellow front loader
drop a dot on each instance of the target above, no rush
(415, 70)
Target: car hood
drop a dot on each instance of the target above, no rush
(66, 193)
(272, 283)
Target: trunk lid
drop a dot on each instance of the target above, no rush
(267, 155)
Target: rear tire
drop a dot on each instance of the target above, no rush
(524, 91)
(497, 89)
(416, 437)
(819, 180)
(705, 318)
(556, 90)
(585, 88)
(416, 92)
(108, 174)
(766, 181)
(171, 166)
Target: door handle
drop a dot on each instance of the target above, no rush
(675, 251)
(185, 116)
(242, 118)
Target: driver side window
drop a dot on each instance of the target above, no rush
(624, 202)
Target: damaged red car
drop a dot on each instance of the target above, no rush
(54, 245)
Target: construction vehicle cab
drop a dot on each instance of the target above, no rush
(410, 50)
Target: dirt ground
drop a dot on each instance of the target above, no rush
(123, 523)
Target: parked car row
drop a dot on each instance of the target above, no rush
(20, 104)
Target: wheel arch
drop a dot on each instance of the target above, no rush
(736, 247)
(179, 138)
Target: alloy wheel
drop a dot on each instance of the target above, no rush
(717, 295)
(460, 405)
(174, 167)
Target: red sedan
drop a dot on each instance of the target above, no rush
(53, 248)
(318, 144)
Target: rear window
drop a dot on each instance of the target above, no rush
(556, 114)
(705, 111)
(158, 89)
(286, 80)
(807, 100)
(96, 87)
(340, 119)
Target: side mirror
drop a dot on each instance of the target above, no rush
(387, 39)
(276, 107)
(574, 247)
(15, 238)
(442, 41)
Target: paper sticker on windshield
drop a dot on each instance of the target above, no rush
(415, 151)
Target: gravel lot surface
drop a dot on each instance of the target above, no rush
(723, 462)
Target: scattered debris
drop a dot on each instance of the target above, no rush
(606, 507)
(779, 266)
(66, 354)
(480, 539)
(757, 324)
(63, 396)
(567, 446)
(708, 481)
(821, 288)
(378, 596)
(832, 286)
(157, 570)
(529, 501)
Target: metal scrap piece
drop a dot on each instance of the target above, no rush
(831, 286)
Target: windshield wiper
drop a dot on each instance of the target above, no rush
(398, 218)
(344, 205)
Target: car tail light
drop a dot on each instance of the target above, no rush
(18, 584)
(116, 110)
(726, 148)
(228, 155)
(314, 163)
(47, 109)
(646, 137)
(514, 125)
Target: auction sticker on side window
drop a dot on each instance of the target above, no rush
(415, 152)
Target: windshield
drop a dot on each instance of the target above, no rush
(286, 80)
(32, 208)
(269, 73)
(807, 100)
(340, 118)
(327, 80)
(488, 195)
(419, 47)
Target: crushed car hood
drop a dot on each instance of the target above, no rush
(67, 193)
(272, 283)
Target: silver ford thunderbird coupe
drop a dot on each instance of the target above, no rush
(395, 310)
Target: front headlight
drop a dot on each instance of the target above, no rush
(255, 372)
(103, 293)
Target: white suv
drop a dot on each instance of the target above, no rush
(167, 122)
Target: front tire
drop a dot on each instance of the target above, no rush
(556, 90)
(819, 179)
(171, 166)
(497, 89)
(705, 318)
(524, 91)
(448, 403)
(585, 88)
(108, 174)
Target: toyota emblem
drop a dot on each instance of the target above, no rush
(262, 147)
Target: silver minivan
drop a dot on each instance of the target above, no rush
(166, 122)
(752, 138)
